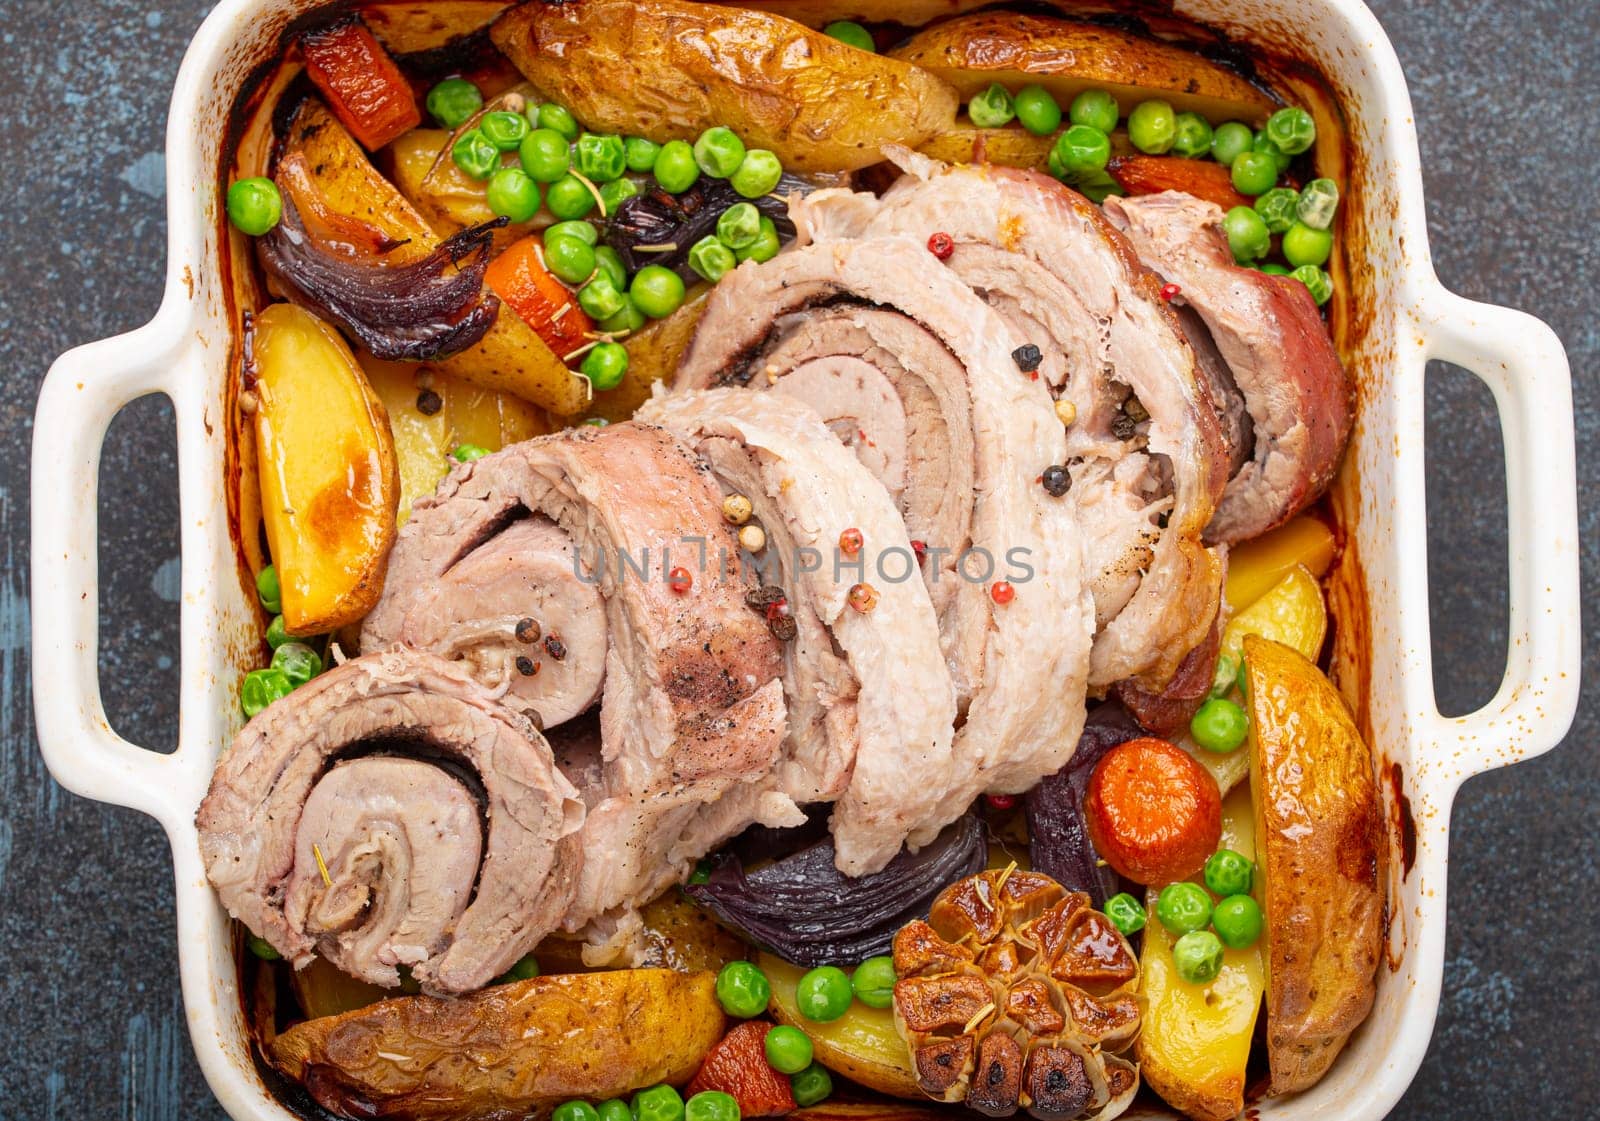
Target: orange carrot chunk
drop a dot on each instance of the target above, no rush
(361, 83)
(1149, 175)
(519, 278)
(738, 1066)
(1153, 813)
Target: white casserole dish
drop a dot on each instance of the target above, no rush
(1379, 594)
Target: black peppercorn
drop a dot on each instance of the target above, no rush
(783, 627)
(1056, 481)
(527, 630)
(1124, 427)
(555, 648)
(527, 667)
(429, 403)
(759, 599)
(1027, 357)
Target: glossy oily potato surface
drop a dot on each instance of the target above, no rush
(329, 481)
(532, 1045)
(668, 70)
(1319, 833)
(862, 1045)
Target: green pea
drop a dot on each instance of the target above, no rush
(254, 205)
(758, 175)
(1197, 957)
(600, 298)
(261, 948)
(743, 990)
(453, 100)
(1183, 907)
(1303, 245)
(1254, 173)
(475, 155)
(601, 158)
(1099, 187)
(1277, 207)
(569, 258)
(504, 129)
(1319, 202)
(873, 981)
(823, 994)
(701, 873)
(657, 290)
(1219, 725)
(513, 194)
(1317, 280)
(1080, 152)
(992, 108)
(1229, 141)
(615, 193)
(1229, 873)
(609, 261)
(852, 34)
(1227, 671)
(1247, 234)
(543, 154)
(1095, 108)
(1263, 144)
(468, 453)
(1272, 268)
(1152, 126)
(1193, 136)
(739, 225)
(1036, 110)
(711, 259)
(525, 968)
(718, 152)
(1126, 913)
(298, 662)
(765, 246)
(277, 633)
(811, 1085)
(625, 322)
(556, 118)
(268, 590)
(1292, 130)
(658, 1103)
(568, 197)
(1237, 921)
(605, 365)
(596, 422)
(574, 1111)
(789, 1050)
(261, 687)
(676, 170)
(585, 232)
(614, 1109)
(640, 153)
(711, 1105)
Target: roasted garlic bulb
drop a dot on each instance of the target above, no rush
(1018, 994)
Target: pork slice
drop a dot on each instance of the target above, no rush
(872, 707)
(374, 772)
(692, 718)
(1278, 353)
(1146, 452)
(1019, 668)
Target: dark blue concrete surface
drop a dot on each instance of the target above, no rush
(91, 1025)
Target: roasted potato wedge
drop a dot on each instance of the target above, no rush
(1012, 146)
(329, 482)
(408, 28)
(323, 989)
(1256, 566)
(1291, 613)
(532, 1045)
(668, 69)
(653, 353)
(421, 442)
(862, 1045)
(1195, 1039)
(413, 157)
(1319, 838)
(1066, 58)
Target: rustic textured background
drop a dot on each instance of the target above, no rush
(90, 1016)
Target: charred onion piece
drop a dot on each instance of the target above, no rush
(1058, 843)
(805, 911)
(656, 218)
(428, 309)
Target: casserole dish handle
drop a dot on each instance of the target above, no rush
(83, 392)
(1523, 363)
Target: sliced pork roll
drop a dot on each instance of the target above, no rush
(871, 708)
(916, 374)
(563, 550)
(1145, 453)
(1277, 366)
(392, 813)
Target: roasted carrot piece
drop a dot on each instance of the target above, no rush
(518, 277)
(361, 83)
(1149, 175)
(738, 1065)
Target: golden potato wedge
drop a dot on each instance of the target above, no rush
(532, 1045)
(1195, 1039)
(429, 24)
(1319, 844)
(669, 69)
(1066, 58)
(1012, 146)
(862, 1045)
(421, 442)
(1291, 613)
(323, 989)
(413, 156)
(1256, 566)
(329, 482)
(653, 353)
